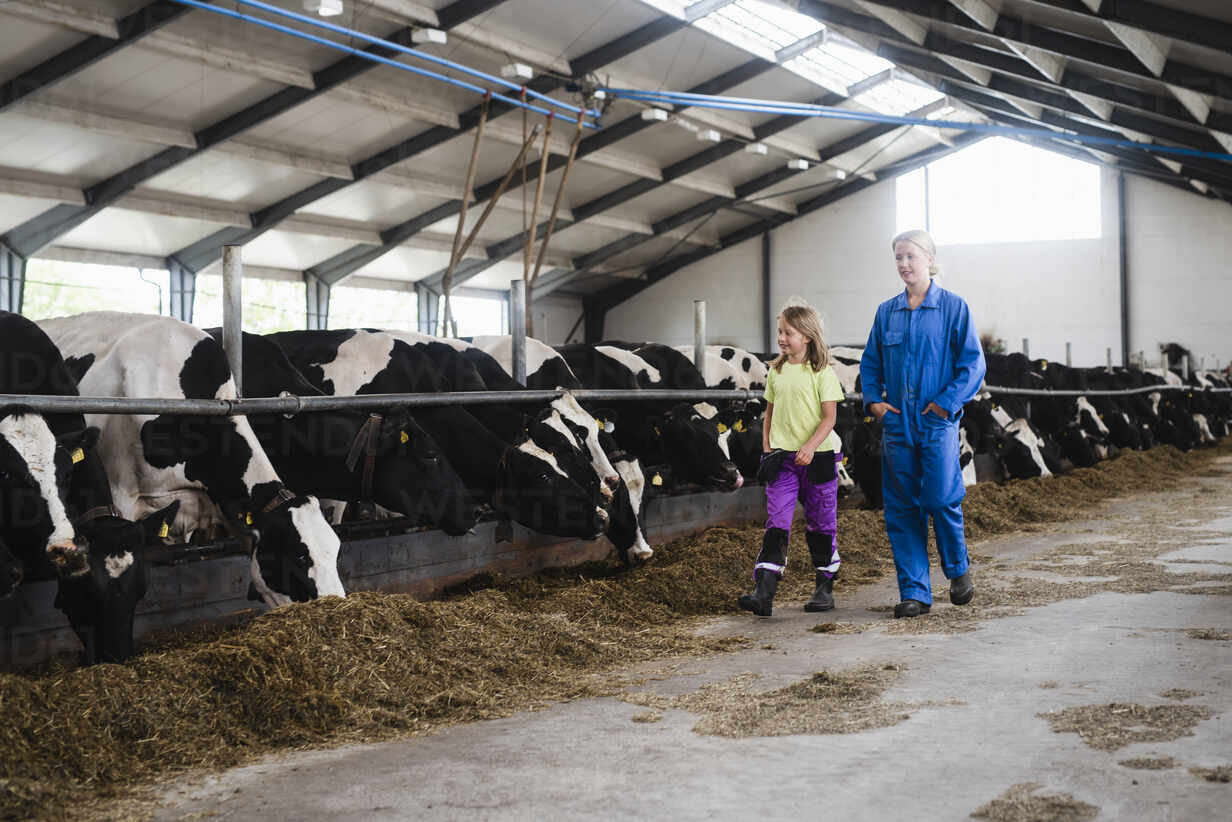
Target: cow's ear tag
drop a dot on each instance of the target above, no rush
(609, 426)
(164, 531)
(722, 428)
(868, 419)
(248, 519)
(656, 480)
(78, 455)
(1043, 365)
(658, 433)
(405, 437)
(739, 427)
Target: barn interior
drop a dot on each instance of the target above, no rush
(670, 172)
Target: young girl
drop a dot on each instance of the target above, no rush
(799, 451)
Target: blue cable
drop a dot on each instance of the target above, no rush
(377, 59)
(685, 99)
(420, 55)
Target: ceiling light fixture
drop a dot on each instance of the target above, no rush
(325, 8)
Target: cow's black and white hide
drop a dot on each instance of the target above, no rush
(729, 367)
(214, 466)
(335, 454)
(625, 530)
(1000, 427)
(484, 371)
(519, 478)
(694, 451)
(545, 369)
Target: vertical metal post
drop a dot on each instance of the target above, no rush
(233, 312)
(768, 333)
(1123, 250)
(517, 328)
(1185, 368)
(1202, 363)
(1108, 356)
(12, 279)
(1026, 348)
(699, 335)
(1141, 360)
(183, 281)
(1069, 351)
(426, 305)
(1163, 363)
(316, 305)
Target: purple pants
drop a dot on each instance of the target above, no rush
(820, 502)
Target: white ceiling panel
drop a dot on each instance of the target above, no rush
(237, 179)
(117, 229)
(282, 249)
(60, 149)
(24, 43)
(405, 264)
(680, 61)
(588, 25)
(372, 202)
(498, 277)
(664, 202)
(15, 210)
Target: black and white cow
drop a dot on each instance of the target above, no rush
(101, 599)
(682, 436)
(387, 459)
(214, 466)
(519, 478)
(729, 367)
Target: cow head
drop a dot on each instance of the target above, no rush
(100, 605)
(625, 530)
(34, 474)
(534, 490)
(694, 449)
(413, 477)
(296, 553)
(743, 427)
(586, 428)
(555, 436)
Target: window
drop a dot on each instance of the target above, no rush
(395, 310)
(57, 289)
(476, 315)
(1002, 191)
(269, 305)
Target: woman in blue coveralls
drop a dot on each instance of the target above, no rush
(923, 362)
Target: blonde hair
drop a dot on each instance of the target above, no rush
(922, 240)
(805, 319)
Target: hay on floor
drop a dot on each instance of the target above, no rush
(1020, 804)
(1115, 725)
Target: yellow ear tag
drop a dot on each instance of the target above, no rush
(248, 519)
(656, 480)
(658, 433)
(1043, 365)
(162, 532)
(739, 427)
(405, 437)
(722, 428)
(868, 419)
(599, 424)
(78, 455)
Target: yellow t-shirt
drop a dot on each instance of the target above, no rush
(797, 393)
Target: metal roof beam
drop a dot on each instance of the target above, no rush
(1155, 19)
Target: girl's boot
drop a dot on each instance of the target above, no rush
(761, 601)
(821, 552)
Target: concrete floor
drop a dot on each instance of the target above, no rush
(587, 759)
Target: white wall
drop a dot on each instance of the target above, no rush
(554, 315)
(1051, 292)
(1180, 270)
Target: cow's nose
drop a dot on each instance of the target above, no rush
(67, 558)
(603, 516)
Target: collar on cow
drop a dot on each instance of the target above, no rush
(282, 496)
(932, 298)
(366, 441)
(95, 513)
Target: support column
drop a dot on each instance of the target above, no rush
(1124, 274)
(767, 322)
(316, 314)
(183, 290)
(12, 279)
(427, 304)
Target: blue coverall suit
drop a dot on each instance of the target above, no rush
(931, 354)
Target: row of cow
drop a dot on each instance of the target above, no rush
(84, 498)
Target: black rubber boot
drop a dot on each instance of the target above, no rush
(961, 589)
(761, 601)
(823, 597)
(911, 608)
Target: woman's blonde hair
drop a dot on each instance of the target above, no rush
(924, 241)
(805, 319)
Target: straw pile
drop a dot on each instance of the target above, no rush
(374, 666)
(1021, 804)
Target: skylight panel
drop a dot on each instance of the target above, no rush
(759, 26)
(897, 96)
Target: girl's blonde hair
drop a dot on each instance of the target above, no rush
(805, 319)
(924, 241)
